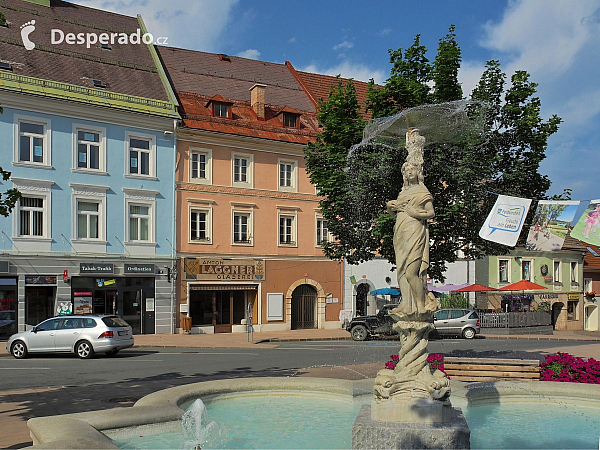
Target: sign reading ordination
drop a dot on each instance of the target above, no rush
(96, 268)
(139, 268)
(217, 269)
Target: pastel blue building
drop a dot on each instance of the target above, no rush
(89, 137)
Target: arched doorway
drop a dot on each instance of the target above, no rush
(362, 290)
(556, 310)
(304, 307)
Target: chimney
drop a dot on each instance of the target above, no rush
(257, 99)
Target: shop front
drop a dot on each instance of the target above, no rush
(220, 292)
(99, 290)
(9, 311)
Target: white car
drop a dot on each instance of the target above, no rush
(83, 335)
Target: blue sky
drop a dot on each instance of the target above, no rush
(556, 41)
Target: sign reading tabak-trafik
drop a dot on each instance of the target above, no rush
(217, 269)
(96, 268)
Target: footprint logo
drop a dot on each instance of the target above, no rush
(26, 30)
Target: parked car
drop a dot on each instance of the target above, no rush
(457, 322)
(380, 324)
(7, 322)
(83, 335)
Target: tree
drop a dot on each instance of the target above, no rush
(9, 198)
(503, 157)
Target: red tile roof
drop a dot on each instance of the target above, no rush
(589, 261)
(198, 77)
(126, 69)
(318, 86)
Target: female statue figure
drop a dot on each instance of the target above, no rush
(412, 209)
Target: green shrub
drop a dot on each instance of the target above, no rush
(454, 301)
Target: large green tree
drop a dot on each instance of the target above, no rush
(503, 157)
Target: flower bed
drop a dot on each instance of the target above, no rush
(570, 369)
(435, 361)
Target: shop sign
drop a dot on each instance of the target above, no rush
(573, 296)
(40, 279)
(546, 296)
(3, 266)
(63, 307)
(139, 268)
(96, 268)
(217, 269)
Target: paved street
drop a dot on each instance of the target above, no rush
(49, 385)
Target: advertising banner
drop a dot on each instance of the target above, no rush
(505, 221)
(587, 228)
(550, 225)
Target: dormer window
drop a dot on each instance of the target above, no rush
(220, 109)
(290, 120)
(98, 84)
(6, 66)
(105, 46)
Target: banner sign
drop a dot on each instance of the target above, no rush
(139, 268)
(505, 221)
(217, 269)
(587, 228)
(96, 268)
(550, 225)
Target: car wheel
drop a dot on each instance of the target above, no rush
(112, 352)
(359, 333)
(468, 333)
(18, 349)
(84, 349)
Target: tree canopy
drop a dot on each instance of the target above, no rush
(503, 158)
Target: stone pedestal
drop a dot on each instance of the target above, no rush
(372, 434)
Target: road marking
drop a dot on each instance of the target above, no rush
(304, 348)
(24, 368)
(207, 353)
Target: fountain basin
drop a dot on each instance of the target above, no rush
(161, 411)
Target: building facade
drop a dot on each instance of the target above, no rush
(249, 229)
(560, 272)
(91, 148)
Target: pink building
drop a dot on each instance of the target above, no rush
(249, 228)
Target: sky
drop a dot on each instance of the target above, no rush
(556, 41)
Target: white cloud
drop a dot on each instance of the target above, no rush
(292, 40)
(385, 32)
(348, 69)
(345, 44)
(543, 37)
(469, 75)
(175, 20)
(251, 53)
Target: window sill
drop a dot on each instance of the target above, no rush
(242, 185)
(292, 245)
(243, 244)
(200, 241)
(143, 177)
(89, 171)
(89, 241)
(141, 243)
(287, 189)
(34, 165)
(199, 181)
(31, 238)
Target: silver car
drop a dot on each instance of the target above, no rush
(83, 335)
(457, 322)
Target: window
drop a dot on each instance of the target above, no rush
(503, 270)
(290, 120)
(220, 109)
(200, 166)
(31, 216)
(32, 141)
(141, 156)
(241, 228)
(286, 230)
(526, 270)
(288, 175)
(587, 285)
(88, 220)
(574, 272)
(557, 275)
(572, 310)
(199, 224)
(139, 222)
(322, 233)
(242, 170)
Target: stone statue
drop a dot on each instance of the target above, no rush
(412, 378)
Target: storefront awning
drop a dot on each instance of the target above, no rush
(223, 287)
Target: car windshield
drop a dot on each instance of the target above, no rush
(114, 322)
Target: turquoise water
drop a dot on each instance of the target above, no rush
(269, 422)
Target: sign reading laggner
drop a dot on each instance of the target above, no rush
(217, 269)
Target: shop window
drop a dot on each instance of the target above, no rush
(572, 310)
(526, 270)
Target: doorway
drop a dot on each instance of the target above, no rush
(362, 290)
(39, 304)
(304, 307)
(556, 310)
(223, 311)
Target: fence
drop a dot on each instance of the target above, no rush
(515, 319)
